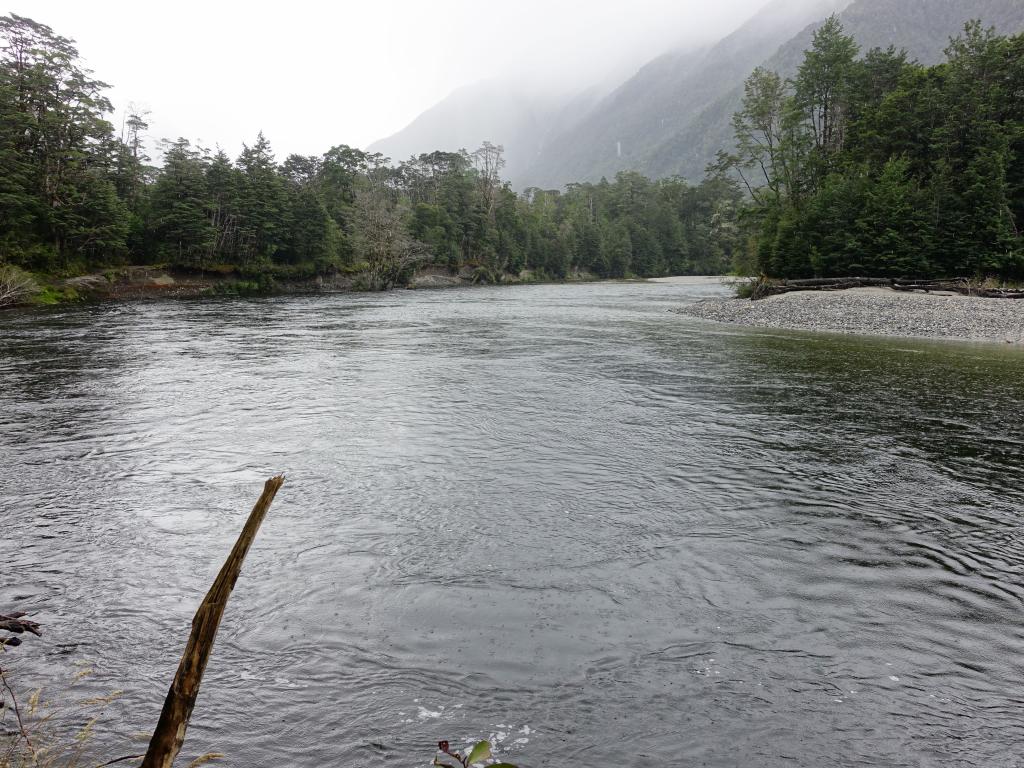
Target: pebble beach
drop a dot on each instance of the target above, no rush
(875, 311)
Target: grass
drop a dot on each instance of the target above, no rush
(37, 733)
(50, 295)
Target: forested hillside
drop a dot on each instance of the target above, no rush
(921, 27)
(874, 164)
(76, 197)
(864, 162)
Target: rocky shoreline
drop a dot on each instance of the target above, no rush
(875, 312)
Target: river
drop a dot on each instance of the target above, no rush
(561, 517)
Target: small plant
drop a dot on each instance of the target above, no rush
(16, 285)
(480, 752)
(49, 295)
(38, 734)
(744, 287)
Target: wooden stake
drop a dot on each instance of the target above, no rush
(181, 698)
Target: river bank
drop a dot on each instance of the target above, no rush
(148, 282)
(875, 312)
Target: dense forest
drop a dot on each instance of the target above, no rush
(876, 165)
(868, 164)
(76, 195)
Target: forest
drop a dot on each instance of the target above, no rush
(870, 165)
(78, 196)
(875, 165)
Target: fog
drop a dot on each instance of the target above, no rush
(312, 75)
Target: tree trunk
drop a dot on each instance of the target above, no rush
(181, 698)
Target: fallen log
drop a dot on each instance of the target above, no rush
(766, 287)
(825, 282)
(181, 698)
(959, 285)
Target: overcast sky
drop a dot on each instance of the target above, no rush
(315, 74)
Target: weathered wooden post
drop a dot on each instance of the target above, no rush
(181, 698)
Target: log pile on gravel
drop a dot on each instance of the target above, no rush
(961, 285)
(765, 287)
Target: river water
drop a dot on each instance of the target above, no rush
(561, 517)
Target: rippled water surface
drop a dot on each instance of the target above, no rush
(564, 517)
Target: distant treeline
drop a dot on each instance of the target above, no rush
(873, 166)
(880, 166)
(76, 195)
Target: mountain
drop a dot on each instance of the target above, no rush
(922, 27)
(673, 115)
(519, 117)
(647, 111)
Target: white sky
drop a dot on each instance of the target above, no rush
(315, 74)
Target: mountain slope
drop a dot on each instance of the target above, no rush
(520, 118)
(644, 113)
(673, 115)
(922, 27)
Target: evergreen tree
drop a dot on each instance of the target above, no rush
(180, 207)
(262, 203)
(56, 186)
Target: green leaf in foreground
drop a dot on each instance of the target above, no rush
(481, 751)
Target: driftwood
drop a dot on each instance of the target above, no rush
(959, 285)
(766, 287)
(15, 623)
(181, 698)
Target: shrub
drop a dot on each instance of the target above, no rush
(744, 287)
(16, 285)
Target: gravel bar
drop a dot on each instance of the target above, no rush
(875, 311)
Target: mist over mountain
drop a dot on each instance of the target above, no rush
(922, 27)
(673, 115)
(555, 137)
(521, 118)
(649, 109)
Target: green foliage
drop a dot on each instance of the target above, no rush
(49, 295)
(872, 165)
(480, 752)
(178, 206)
(57, 199)
(744, 289)
(75, 198)
(878, 166)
